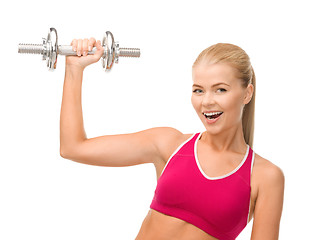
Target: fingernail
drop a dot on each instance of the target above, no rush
(90, 48)
(74, 49)
(79, 53)
(84, 53)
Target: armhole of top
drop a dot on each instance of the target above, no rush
(253, 159)
(177, 149)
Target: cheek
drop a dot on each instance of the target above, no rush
(233, 106)
(195, 102)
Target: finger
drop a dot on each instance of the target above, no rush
(85, 46)
(79, 47)
(74, 44)
(91, 43)
(100, 49)
(99, 45)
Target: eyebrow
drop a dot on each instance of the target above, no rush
(196, 85)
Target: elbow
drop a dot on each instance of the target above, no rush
(69, 152)
(66, 149)
(63, 153)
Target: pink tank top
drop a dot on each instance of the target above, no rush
(219, 206)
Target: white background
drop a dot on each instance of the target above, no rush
(44, 196)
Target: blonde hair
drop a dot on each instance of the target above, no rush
(237, 58)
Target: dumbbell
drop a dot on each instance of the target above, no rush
(50, 49)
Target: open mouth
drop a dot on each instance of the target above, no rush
(212, 115)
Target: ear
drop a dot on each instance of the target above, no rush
(249, 93)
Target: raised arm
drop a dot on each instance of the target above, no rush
(148, 146)
(71, 120)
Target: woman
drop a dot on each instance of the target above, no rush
(210, 184)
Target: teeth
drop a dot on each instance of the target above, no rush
(212, 113)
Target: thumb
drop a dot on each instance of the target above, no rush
(99, 50)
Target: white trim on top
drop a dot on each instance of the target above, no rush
(253, 159)
(250, 200)
(225, 175)
(177, 149)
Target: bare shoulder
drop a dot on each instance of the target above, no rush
(167, 139)
(269, 201)
(267, 173)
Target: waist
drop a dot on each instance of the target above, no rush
(159, 226)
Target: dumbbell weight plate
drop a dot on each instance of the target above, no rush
(51, 49)
(108, 44)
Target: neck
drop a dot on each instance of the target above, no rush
(229, 140)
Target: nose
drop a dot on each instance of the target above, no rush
(208, 100)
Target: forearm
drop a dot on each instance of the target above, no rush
(71, 117)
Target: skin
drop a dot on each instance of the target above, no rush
(223, 140)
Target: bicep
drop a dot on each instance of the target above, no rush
(268, 208)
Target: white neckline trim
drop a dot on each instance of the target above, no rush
(219, 177)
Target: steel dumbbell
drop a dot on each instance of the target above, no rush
(50, 49)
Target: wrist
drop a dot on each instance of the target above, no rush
(75, 68)
(74, 73)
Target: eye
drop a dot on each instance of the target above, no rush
(196, 90)
(221, 90)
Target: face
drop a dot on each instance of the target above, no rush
(218, 93)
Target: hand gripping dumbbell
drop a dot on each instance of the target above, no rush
(50, 50)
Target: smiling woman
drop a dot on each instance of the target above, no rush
(208, 183)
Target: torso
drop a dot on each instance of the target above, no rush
(158, 226)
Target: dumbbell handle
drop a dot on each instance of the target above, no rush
(123, 52)
(67, 50)
(39, 49)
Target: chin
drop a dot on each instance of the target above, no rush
(213, 130)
